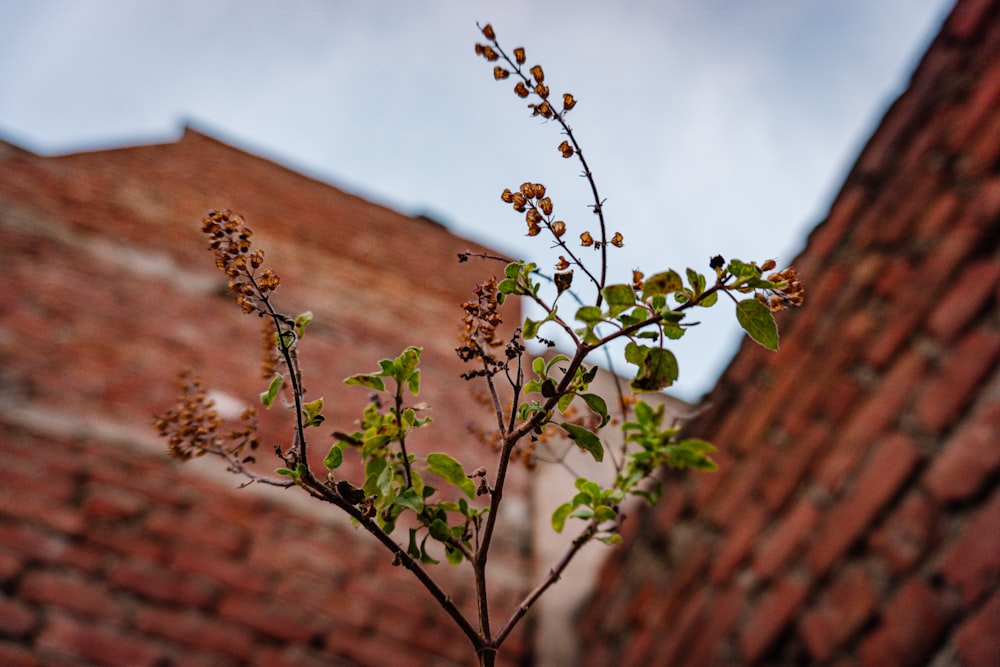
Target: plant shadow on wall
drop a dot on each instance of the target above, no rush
(432, 508)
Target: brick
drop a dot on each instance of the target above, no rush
(972, 562)
(16, 618)
(876, 413)
(968, 296)
(843, 215)
(787, 533)
(907, 533)
(67, 640)
(789, 468)
(231, 574)
(112, 503)
(738, 541)
(198, 631)
(885, 471)
(14, 655)
(200, 533)
(269, 617)
(844, 606)
(153, 581)
(71, 592)
(953, 387)
(729, 505)
(911, 623)
(706, 644)
(975, 640)
(969, 458)
(771, 614)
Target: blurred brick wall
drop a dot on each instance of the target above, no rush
(112, 554)
(856, 516)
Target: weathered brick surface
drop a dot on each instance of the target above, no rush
(854, 520)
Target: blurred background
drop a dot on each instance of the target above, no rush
(712, 127)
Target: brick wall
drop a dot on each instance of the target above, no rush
(112, 554)
(856, 516)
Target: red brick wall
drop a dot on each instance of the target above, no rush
(112, 554)
(856, 516)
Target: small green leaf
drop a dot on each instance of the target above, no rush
(598, 405)
(302, 321)
(454, 556)
(451, 471)
(530, 328)
(604, 513)
(267, 397)
(611, 539)
(559, 517)
(589, 314)
(312, 413)
(334, 458)
(411, 499)
(439, 530)
(585, 439)
(661, 283)
(366, 380)
(758, 321)
(413, 383)
(657, 367)
(619, 298)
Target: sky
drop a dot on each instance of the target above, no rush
(711, 126)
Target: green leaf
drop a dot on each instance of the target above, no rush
(559, 517)
(267, 397)
(661, 283)
(413, 383)
(334, 458)
(589, 314)
(508, 286)
(530, 328)
(598, 405)
(604, 513)
(451, 471)
(758, 321)
(585, 439)
(366, 380)
(312, 413)
(439, 530)
(619, 298)
(657, 367)
(611, 539)
(302, 321)
(454, 556)
(411, 499)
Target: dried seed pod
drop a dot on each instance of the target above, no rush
(586, 239)
(499, 73)
(566, 149)
(558, 228)
(488, 32)
(519, 55)
(618, 240)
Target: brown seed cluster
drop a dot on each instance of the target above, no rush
(192, 428)
(530, 199)
(791, 290)
(479, 331)
(234, 254)
(528, 83)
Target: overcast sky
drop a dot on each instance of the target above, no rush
(712, 126)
